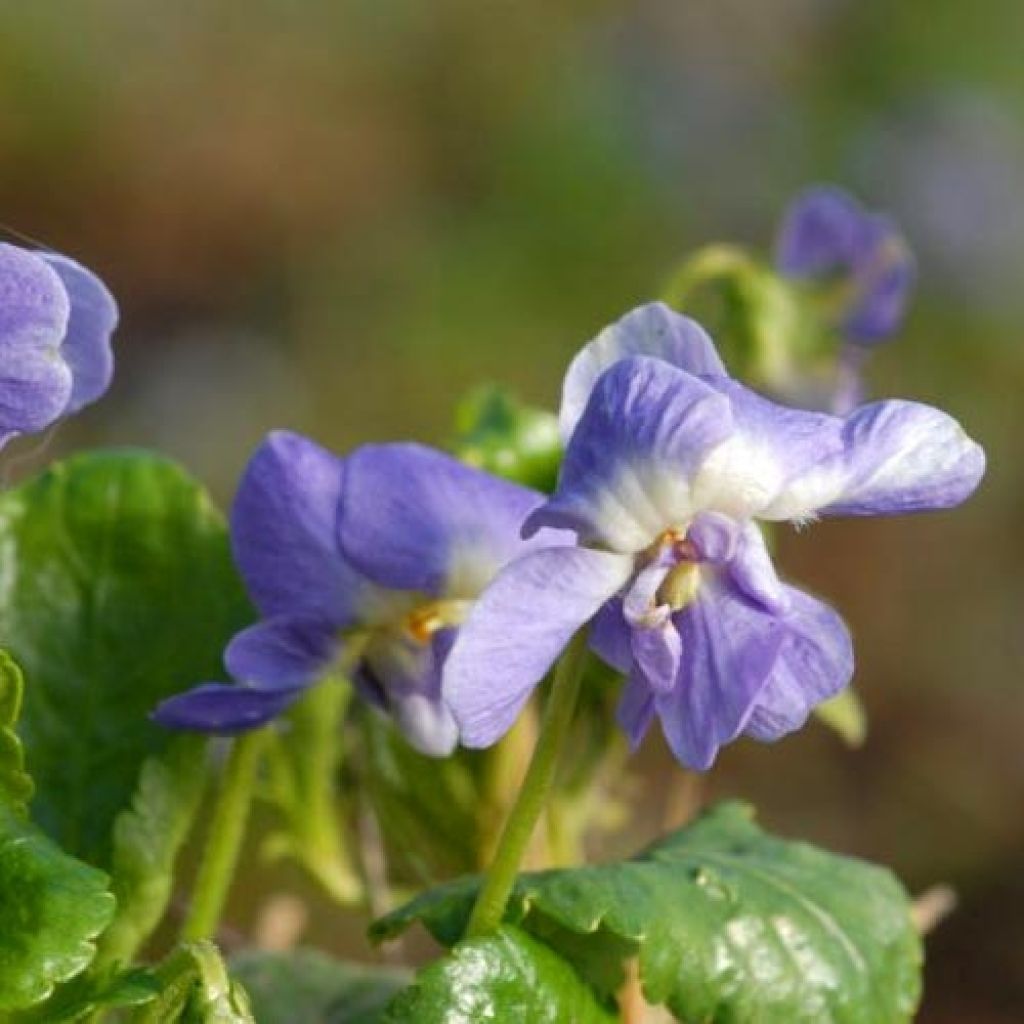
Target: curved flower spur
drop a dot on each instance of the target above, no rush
(669, 464)
(56, 321)
(368, 563)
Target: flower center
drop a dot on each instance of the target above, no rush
(426, 619)
(680, 586)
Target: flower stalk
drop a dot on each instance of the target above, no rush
(522, 820)
(224, 841)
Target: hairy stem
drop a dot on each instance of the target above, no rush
(522, 819)
(224, 840)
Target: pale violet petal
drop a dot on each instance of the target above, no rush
(650, 330)
(629, 468)
(516, 631)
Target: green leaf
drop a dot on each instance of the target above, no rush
(308, 987)
(51, 908)
(730, 925)
(15, 784)
(109, 990)
(426, 808)
(147, 839)
(195, 988)
(118, 590)
(498, 433)
(503, 977)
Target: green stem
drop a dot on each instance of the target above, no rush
(515, 837)
(314, 743)
(713, 263)
(224, 840)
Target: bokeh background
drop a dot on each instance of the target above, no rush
(338, 215)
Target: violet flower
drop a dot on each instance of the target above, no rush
(669, 464)
(826, 235)
(371, 562)
(56, 320)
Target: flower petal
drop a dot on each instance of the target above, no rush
(611, 636)
(414, 518)
(814, 662)
(283, 532)
(753, 572)
(770, 446)
(636, 709)
(517, 629)
(650, 330)
(224, 708)
(281, 652)
(746, 669)
(35, 381)
(894, 457)
(730, 645)
(883, 284)
(657, 652)
(630, 465)
(93, 318)
(820, 233)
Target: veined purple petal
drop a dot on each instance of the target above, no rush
(517, 629)
(414, 518)
(753, 572)
(730, 645)
(770, 446)
(893, 457)
(814, 662)
(611, 636)
(636, 709)
(93, 317)
(746, 669)
(282, 652)
(630, 466)
(35, 381)
(283, 532)
(650, 330)
(224, 708)
(657, 654)
(715, 537)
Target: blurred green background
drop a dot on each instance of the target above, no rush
(337, 215)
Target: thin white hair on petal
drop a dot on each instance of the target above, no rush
(804, 521)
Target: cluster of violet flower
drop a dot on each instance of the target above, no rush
(827, 239)
(446, 594)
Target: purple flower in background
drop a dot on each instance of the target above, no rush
(56, 319)
(826, 235)
(371, 562)
(668, 465)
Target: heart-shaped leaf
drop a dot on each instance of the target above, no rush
(729, 924)
(15, 783)
(147, 838)
(508, 976)
(118, 591)
(51, 909)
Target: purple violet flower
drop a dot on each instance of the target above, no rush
(669, 463)
(372, 562)
(827, 235)
(56, 319)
